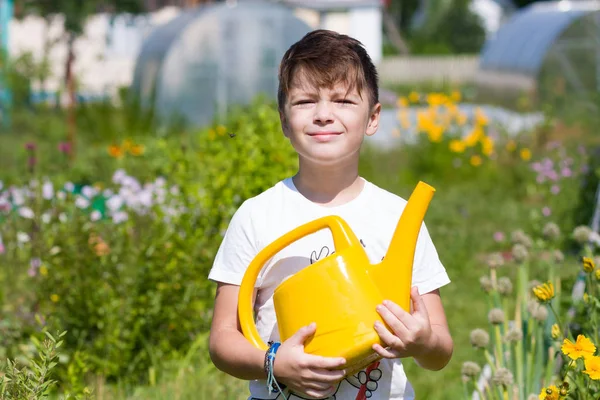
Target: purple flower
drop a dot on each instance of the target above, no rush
(64, 147)
(552, 175)
(546, 211)
(555, 189)
(2, 248)
(30, 146)
(566, 172)
(499, 236)
(540, 179)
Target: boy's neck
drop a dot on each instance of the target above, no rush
(331, 187)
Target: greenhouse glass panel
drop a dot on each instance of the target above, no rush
(545, 47)
(214, 57)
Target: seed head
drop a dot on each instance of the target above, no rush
(479, 338)
(505, 286)
(513, 335)
(519, 252)
(520, 237)
(470, 369)
(558, 256)
(582, 233)
(503, 377)
(496, 316)
(551, 231)
(486, 284)
(541, 313)
(495, 260)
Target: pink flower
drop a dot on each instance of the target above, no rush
(30, 146)
(555, 189)
(499, 236)
(546, 211)
(64, 147)
(566, 172)
(2, 249)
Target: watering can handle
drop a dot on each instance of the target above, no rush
(343, 237)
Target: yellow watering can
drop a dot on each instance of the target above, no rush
(341, 291)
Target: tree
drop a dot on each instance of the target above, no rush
(75, 13)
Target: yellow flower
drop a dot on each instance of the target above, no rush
(404, 119)
(583, 347)
(598, 274)
(457, 146)
(127, 144)
(592, 367)
(474, 136)
(475, 160)
(586, 298)
(487, 145)
(137, 150)
(511, 146)
(54, 298)
(402, 102)
(544, 292)
(525, 154)
(43, 270)
(455, 96)
(555, 331)
(480, 117)
(414, 97)
(115, 151)
(211, 134)
(461, 119)
(435, 133)
(550, 392)
(588, 264)
(221, 130)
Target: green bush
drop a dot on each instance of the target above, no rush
(126, 273)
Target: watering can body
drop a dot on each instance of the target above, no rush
(340, 292)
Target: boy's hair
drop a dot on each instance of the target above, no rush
(326, 58)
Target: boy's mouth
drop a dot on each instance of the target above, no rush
(324, 136)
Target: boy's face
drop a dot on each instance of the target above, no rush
(326, 126)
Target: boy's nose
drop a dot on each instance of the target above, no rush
(323, 113)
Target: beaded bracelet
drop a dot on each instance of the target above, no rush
(272, 384)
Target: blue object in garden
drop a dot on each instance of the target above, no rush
(6, 14)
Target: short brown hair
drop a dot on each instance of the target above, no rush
(326, 58)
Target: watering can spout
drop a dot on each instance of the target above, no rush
(394, 274)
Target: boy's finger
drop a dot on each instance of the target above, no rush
(303, 334)
(399, 326)
(387, 337)
(328, 376)
(385, 353)
(326, 362)
(418, 303)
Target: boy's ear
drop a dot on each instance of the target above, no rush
(284, 126)
(373, 123)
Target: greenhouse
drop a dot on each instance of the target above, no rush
(547, 49)
(213, 57)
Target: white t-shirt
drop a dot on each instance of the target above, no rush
(372, 216)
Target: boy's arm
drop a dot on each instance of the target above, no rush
(441, 348)
(229, 349)
(422, 334)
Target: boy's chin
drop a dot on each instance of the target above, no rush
(327, 159)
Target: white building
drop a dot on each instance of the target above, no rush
(360, 19)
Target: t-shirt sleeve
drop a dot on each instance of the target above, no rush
(428, 271)
(237, 249)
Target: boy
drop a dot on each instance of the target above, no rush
(328, 101)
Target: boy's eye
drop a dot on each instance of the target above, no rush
(345, 101)
(301, 102)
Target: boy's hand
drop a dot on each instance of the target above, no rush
(305, 373)
(411, 333)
